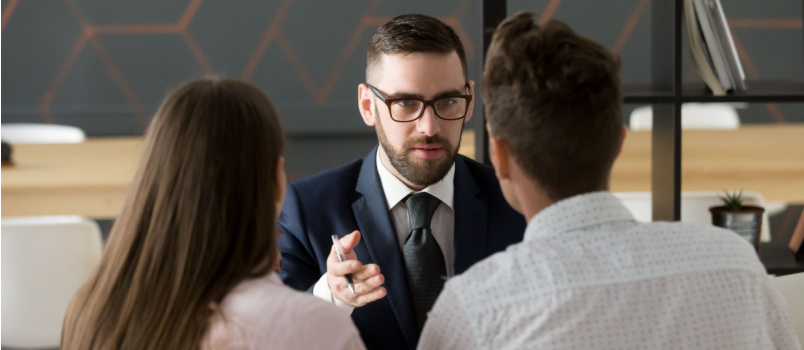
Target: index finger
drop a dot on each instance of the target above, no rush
(349, 242)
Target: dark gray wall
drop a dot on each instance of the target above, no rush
(105, 65)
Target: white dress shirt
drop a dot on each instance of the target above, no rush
(442, 223)
(588, 276)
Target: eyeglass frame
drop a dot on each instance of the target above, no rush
(431, 103)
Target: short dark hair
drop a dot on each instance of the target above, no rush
(413, 33)
(554, 97)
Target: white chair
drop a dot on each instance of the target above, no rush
(693, 116)
(791, 287)
(40, 133)
(44, 262)
(694, 207)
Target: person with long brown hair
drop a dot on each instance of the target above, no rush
(190, 260)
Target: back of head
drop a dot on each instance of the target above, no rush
(554, 97)
(199, 218)
(412, 33)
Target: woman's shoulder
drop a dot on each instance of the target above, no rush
(255, 296)
(263, 311)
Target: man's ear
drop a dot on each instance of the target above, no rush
(622, 140)
(365, 103)
(471, 104)
(500, 158)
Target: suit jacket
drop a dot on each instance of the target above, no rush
(350, 197)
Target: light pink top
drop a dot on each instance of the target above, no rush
(263, 313)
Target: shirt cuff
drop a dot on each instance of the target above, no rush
(321, 290)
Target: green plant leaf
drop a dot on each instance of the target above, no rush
(733, 200)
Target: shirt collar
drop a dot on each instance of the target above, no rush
(577, 212)
(395, 190)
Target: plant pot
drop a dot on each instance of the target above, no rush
(746, 222)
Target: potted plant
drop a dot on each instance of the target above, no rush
(745, 220)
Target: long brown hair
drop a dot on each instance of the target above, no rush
(200, 217)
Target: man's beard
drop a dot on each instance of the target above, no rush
(418, 171)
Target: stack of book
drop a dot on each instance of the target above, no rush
(712, 47)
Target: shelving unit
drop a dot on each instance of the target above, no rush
(666, 93)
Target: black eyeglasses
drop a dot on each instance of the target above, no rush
(408, 109)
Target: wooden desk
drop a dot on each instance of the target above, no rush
(768, 159)
(89, 179)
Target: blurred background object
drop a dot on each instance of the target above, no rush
(45, 260)
(693, 116)
(17, 133)
(6, 153)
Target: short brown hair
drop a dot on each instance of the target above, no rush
(554, 98)
(413, 33)
(199, 218)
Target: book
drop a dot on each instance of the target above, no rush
(719, 45)
(700, 55)
(726, 41)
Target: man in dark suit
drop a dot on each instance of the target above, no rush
(417, 211)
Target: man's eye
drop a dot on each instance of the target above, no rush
(407, 103)
(447, 102)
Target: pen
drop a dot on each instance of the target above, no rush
(348, 276)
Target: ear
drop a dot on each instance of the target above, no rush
(471, 104)
(281, 183)
(365, 103)
(622, 140)
(500, 156)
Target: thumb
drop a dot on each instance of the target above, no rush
(350, 241)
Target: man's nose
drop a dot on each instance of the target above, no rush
(428, 123)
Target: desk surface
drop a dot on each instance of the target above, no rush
(91, 178)
(768, 159)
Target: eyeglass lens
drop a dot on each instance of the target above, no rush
(446, 108)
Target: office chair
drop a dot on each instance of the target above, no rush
(693, 116)
(694, 207)
(791, 287)
(40, 133)
(44, 262)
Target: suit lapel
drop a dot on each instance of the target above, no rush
(470, 219)
(373, 219)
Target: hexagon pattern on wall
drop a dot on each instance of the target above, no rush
(193, 29)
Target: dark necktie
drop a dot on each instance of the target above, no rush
(424, 261)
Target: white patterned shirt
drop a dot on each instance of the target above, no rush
(588, 276)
